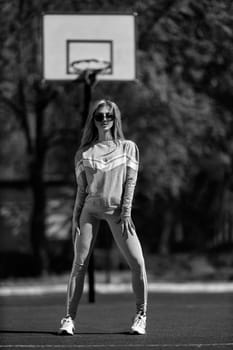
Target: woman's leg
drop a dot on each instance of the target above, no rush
(132, 250)
(83, 247)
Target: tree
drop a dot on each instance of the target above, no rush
(188, 54)
(29, 99)
(179, 112)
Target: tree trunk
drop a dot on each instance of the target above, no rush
(164, 244)
(37, 232)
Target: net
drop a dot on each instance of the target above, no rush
(91, 66)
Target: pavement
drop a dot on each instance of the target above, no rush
(175, 321)
(181, 315)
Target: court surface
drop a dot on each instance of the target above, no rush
(175, 321)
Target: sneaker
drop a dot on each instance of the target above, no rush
(67, 326)
(139, 324)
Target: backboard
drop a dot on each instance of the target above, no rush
(101, 37)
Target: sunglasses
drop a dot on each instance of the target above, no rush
(99, 117)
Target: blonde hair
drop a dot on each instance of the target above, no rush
(90, 132)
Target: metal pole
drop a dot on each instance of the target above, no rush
(88, 83)
(91, 279)
(87, 100)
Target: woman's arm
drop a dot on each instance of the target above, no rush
(80, 196)
(131, 179)
(132, 155)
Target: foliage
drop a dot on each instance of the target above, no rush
(179, 111)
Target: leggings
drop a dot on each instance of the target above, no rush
(83, 246)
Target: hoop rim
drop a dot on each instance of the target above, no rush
(105, 65)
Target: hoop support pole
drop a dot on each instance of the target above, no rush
(89, 80)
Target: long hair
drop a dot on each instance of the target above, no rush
(90, 132)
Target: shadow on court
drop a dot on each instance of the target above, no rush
(175, 321)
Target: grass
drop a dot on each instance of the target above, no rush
(171, 268)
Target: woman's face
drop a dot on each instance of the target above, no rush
(103, 119)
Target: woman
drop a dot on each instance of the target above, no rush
(106, 171)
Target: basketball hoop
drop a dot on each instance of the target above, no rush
(102, 44)
(84, 46)
(87, 69)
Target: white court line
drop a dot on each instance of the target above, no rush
(76, 346)
(160, 287)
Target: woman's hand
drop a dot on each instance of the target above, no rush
(127, 226)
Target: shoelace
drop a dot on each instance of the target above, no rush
(66, 320)
(139, 319)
